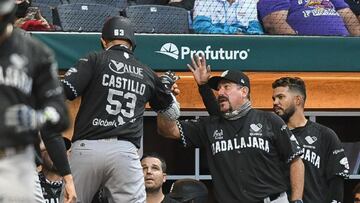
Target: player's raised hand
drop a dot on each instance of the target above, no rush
(200, 70)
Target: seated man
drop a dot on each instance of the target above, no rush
(154, 168)
(189, 191)
(226, 17)
(308, 17)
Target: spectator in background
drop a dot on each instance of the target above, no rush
(308, 17)
(355, 7)
(29, 18)
(226, 17)
(50, 179)
(187, 4)
(189, 191)
(154, 168)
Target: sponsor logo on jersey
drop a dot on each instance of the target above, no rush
(310, 140)
(337, 151)
(311, 156)
(171, 50)
(121, 68)
(309, 146)
(256, 129)
(15, 75)
(345, 163)
(218, 134)
(104, 123)
(240, 143)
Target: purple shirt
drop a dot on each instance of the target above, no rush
(309, 17)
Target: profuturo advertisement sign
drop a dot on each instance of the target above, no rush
(184, 52)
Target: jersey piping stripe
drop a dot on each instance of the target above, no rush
(71, 87)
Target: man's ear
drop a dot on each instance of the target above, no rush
(298, 100)
(164, 178)
(245, 91)
(103, 43)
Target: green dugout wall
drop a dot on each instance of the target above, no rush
(248, 53)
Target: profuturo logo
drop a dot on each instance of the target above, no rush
(169, 49)
(173, 51)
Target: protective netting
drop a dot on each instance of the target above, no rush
(244, 17)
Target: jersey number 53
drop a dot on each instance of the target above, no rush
(115, 106)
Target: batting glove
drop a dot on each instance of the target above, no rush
(168, 79)
(25, 118)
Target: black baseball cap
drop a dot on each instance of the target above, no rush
(235, 76)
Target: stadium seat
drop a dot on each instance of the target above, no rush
(83, 17)
(120, 4)
(158, 19)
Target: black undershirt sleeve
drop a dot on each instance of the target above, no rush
(55, 146)
(336, 189)
(209, 100)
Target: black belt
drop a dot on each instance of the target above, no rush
(10, 151)
(272, 197)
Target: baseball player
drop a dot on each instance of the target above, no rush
(114, 87)
(31, 100)
(325, 163)
(248, 150)
(154, 168)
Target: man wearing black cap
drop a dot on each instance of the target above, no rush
(114, 88)
(248, 150)
(31, 100)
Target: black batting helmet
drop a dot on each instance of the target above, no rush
(7, 10)
(186, 190)
(119, 27)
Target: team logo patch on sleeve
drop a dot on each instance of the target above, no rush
(345, 163)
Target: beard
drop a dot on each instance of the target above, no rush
(224, 99)
(288, 113)
(152, 189)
